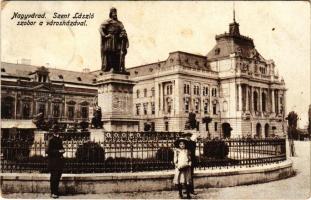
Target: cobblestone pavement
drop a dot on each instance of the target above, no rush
(297, 187)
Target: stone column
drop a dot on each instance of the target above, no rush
(251, 99)
(273, 101)
(156, 98)
(159, 96)
(65, 109)
(15, 106)
(240, 97)
(284, 102)
(246, 98)
(174, 97)
(260, 100)
(163, 102)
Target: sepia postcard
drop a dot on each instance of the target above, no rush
(155, 99)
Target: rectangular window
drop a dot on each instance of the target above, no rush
(215, 124)
(187, 89)
(197, 107)
(169, 108)
(56, 110)
(145, 108)
(166, 126)
(214, 109)
(186, 107)
(205, 108)
(71, 114)
(152, 109)
(137, 109)
(84, 112)
(42, 108)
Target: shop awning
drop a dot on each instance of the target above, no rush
(20, 124)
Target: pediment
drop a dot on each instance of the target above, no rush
(42, 88)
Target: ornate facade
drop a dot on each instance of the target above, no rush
(27, 90)
(233, 85)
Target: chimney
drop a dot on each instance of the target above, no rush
(86, 70)
(25, 61)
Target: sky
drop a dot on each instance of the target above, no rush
(280, 30)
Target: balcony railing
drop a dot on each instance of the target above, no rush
(137, 151)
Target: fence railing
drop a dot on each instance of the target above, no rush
(137, 151)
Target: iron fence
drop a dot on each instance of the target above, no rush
(137, 151)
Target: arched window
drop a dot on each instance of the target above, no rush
(214, 109)
(145, 92)
(205, 107)
(137, 93)
(26, 110)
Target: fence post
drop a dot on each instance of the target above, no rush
(249, 153)
(132, 153)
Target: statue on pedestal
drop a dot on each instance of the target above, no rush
(114, 44)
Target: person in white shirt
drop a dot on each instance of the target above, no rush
(182, 161)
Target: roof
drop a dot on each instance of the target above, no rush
(60, 75)
(175, 58)
(233, 42)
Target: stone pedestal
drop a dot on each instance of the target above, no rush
(115, 97)
(38, 147)
(97, 135)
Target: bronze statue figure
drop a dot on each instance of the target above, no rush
(114, 44)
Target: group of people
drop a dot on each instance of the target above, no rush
(185, 161)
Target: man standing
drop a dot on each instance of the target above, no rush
(192, 147)
(114, 43)
(55, 152)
